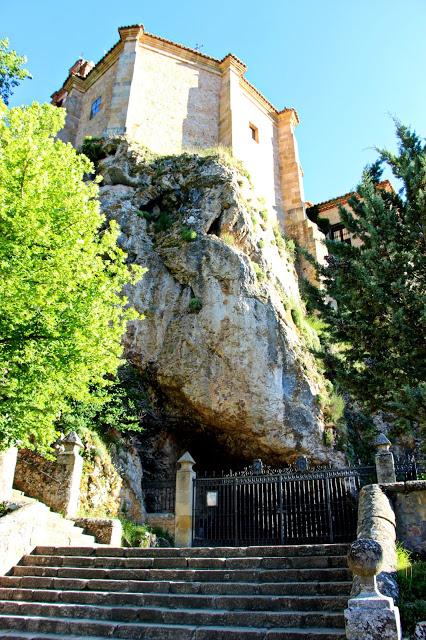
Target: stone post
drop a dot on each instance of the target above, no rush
(7, 472)
(385, 465)
(185, 477)
(69, 456)
(370, 615)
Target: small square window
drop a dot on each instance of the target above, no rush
(254, 132)
(95, 108)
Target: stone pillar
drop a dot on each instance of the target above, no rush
(370, 615)
(69, 457)
(7, 472)
(385, 465)
(230, 122)
(185, 477)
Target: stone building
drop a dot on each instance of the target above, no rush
(171, 98)
(329, 209)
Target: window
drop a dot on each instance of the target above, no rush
(96, 105)
(254, 132)
(339, 232)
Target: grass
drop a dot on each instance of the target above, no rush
(224, 156)
(264, 215)
(260, 274)
(411, 576)
(228, 239)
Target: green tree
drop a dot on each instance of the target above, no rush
(62, 315)
(119, 407)
(11, 70)
(375, 328)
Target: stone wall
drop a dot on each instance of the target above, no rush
(376, 520)
(20, 532)
(164, 521)
(174, 102)
(7, 471)
(50, 481)
(104, 530)
(103, 88)
(409, 503)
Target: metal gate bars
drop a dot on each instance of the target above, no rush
(267, 507)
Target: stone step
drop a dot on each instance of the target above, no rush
(54, 628)
(161, 586)
(185, 601)
(199, 552)
(199, 575)
(208, 617)
(255, 562)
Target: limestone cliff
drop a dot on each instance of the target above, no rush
(222, 340)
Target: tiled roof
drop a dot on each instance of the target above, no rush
(334, 202)
(194, 51)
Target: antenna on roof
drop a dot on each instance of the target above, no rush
(198, 47)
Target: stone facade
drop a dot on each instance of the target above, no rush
(171, 98)
(409, 503)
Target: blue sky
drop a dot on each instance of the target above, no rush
(347, 66)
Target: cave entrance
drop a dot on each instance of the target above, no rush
(263, 506)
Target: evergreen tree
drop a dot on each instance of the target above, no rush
(373, 300)
(61, 273)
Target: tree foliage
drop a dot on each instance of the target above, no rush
(118, 407)
(62, 315)
(375, 338)
(11, 70)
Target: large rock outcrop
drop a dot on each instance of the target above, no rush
(222, 337)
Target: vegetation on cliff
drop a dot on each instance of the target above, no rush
(374, 337)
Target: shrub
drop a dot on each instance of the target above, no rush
(328, 437)
(141, 535)
(93, 148)
(297, 315)
(163, 222)
(412, 589)
(195, 305)
(189, 235)
(261, 244)
(264, 215)
(4, 509)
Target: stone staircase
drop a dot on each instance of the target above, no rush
(57, 529)
(252, 593)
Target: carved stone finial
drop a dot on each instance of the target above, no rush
(186, 460)
(73, 438)
(381, 442)
(365, 557)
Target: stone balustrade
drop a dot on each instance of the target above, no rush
(370, 615)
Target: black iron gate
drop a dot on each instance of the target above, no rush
(262, 506)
